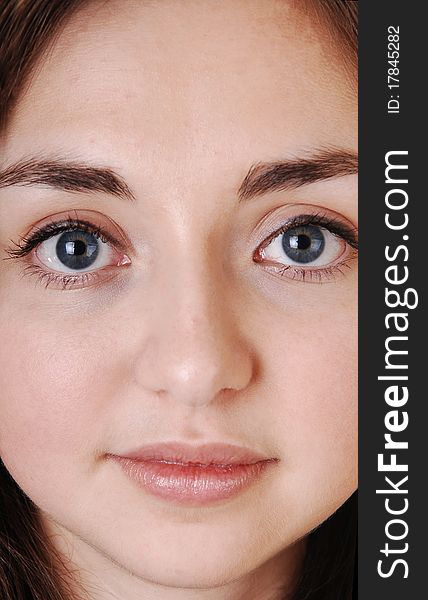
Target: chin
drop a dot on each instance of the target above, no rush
(188, 563)
(191, 573)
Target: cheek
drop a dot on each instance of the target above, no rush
(316, 405)
(50, 397)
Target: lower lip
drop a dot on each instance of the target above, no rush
(192, 484)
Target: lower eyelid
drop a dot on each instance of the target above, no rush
(310, 275)
(61, 281)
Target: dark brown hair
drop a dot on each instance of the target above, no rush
(30, 567)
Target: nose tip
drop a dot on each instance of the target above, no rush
(197, 383)
(195, 361)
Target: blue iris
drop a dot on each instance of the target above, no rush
(303, 244)
(77, 249)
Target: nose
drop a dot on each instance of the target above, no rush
(194, 348)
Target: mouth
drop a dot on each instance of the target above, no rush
(193, 475)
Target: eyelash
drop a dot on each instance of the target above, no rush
(311, 274)
(66, 280)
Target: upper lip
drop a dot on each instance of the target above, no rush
(205, 454)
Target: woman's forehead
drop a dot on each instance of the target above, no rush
(181, 78)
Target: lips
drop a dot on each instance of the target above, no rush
(197, 475)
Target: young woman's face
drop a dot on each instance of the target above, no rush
(211, 309)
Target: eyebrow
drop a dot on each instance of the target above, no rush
(262, 177)
(71, 176)
(290, 174)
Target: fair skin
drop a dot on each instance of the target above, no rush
(191, 338)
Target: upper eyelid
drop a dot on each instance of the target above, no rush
(33, 239)
(337, 227)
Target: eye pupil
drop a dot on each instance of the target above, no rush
(77, 249)
(303, 244)
(300, 242)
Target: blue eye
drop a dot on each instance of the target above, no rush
(77, 249)
(72, 253)
(305, 246)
